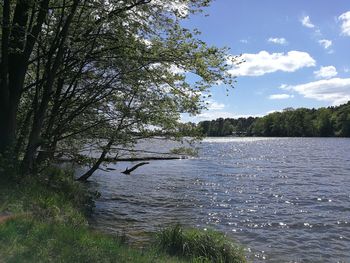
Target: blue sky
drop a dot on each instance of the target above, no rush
(296, 52)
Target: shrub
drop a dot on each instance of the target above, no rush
(199, 245)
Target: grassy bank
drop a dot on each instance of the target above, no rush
(28, 240)
(44, 220)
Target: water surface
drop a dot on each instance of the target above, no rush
(285, 199)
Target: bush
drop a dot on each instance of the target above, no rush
(199, 245)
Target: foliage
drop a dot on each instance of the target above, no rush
(185, 151)
(206, 246)
(225, 127)
(324, 122)
(111, 72)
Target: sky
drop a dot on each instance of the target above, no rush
(297, 54)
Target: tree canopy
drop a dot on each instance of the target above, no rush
(111, 72)
(324, 122)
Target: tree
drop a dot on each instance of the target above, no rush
(323, 123)
(108, 72)
(341, 120)
(332, 121)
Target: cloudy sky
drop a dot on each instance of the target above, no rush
(297, 54)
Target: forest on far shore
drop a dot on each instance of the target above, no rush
(302, 122)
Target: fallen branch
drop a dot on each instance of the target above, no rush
(150, 158)
(128, 171)
(131, 159)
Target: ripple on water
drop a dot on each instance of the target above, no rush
(285, 199)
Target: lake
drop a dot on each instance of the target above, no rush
(284, 199)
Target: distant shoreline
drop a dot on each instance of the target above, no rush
(302, 122)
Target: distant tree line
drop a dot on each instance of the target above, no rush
(226, 127)
(302, 122)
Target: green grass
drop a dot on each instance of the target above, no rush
(49, 224)
(205, 245)
(52, 196)
(27, 240)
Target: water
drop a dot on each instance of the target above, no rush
(284, 199)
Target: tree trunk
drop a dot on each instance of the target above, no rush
(39, 116)
(6, 133)
(22, 134)
(15, 53)
(100, 160)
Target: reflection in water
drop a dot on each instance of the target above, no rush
(286, 200)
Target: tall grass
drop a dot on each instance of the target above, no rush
(199, 245)
(52, 196)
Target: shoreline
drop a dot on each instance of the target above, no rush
(40, 222)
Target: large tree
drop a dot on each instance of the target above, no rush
(109, 72)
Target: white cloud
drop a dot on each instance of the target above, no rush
(325, 43)
(171, 68)
(318, 32)
(307, 22)
(263, 62)
(273, 111)
(179, 7)
(326, 72)
(213, 105)
(280, 96)
(175, 69)
(244, 41)
(278, 40)
(335, 90)
(283, 86)
(345, 27)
